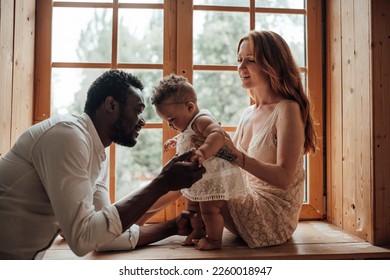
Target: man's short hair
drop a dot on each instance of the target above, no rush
(115, 83)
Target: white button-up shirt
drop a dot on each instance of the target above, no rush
(54, 178)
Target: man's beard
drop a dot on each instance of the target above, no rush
(119, 135)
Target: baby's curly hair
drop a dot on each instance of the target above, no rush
(174, 86)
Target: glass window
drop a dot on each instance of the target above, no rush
(142, 1)
(91, 30)
(292, 4)
(140, 36)
(139, 164)
(229, 27)
(290, 27)
(237, 3)
(69, 89)
(221, 93)
(83, 46)
(149, 78)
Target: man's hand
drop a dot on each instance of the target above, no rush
(180, 173)
(155, 232)
(183, 223)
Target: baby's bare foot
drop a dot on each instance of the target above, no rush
(206, 244)
(193, 235)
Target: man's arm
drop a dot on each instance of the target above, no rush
(156, 232)
(176, 174)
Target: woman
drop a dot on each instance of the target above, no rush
(271, 139)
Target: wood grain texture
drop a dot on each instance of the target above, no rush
(312, 240)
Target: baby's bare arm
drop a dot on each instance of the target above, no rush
(170, 144)
(214, 136)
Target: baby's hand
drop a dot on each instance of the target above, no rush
(198, 156)
(170, 144)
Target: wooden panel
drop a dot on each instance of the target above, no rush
(358, 180)
(381, 115)
(334, 114)
(312, 240)
(42, 82)
(356, 117)
(184, 56)
(349, 114)
(6, 66)
(315, 94)
(362, 107)
(23, 70)
(184, 39)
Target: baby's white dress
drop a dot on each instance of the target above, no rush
(222, 180)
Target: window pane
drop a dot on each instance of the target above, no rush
(140, 36)
(140, 164)
(70, 86)
(290, 27)
(142, 1)
(216, 35)
(293, 4)
(221, 93)
(81, 35)
(69, 89)
(149, 78)
(99, 1)
(236, 3)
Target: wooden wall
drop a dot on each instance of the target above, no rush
(17, 22)
(358, 149)
(357, 97)
(381, 119)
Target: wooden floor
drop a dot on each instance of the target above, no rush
(312, 240)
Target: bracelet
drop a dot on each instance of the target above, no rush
(243, 159)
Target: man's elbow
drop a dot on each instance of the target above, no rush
(80, 248)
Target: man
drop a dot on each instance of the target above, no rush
(54, 178)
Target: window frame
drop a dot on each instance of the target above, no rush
(178, 58)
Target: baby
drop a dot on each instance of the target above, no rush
(176, 102)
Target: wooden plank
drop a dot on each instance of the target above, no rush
(42, 81)
(23, 70)
(362, 103)
(334, 114)
(350, 142)
(6, 70)
(312, 240)
(381, 115)
(184, 57)
(170, 66)
(315, 86)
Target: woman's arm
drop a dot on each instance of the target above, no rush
(290, 141)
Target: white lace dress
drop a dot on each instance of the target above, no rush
(222, 180)
(267, 215)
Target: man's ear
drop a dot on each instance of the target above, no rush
(110, 104)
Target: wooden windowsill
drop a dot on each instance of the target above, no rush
(312, 240)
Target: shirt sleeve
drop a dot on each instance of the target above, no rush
(61, 158)
(127, 241)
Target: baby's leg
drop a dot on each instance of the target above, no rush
(213, 220)
(196, 224)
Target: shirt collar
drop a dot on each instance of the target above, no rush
(99, 148)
